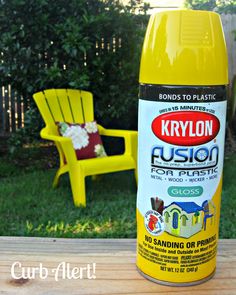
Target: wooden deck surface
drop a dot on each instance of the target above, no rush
(116, 272)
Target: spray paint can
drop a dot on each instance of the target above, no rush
(182, 111)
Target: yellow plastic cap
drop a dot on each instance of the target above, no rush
(184, 47)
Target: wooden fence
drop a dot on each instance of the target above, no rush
(12, 110)
(229, 25)
(12, 107)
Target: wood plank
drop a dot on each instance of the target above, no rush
(116, 272)
(6, 109)
(18, 110)
(1, 112)
(13, 109)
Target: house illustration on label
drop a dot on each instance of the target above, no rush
(183, 219)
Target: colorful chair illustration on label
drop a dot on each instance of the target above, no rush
(209, 210)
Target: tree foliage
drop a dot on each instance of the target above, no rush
(93, 45)
(221, 6)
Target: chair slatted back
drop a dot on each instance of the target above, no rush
(64, 105)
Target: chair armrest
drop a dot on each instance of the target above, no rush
(44, 133)
(130, 137)
(65, 143)
(116, 132)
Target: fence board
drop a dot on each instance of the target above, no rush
(19, 110)
(6, 109)
(13, 109)
(1, 112)
(229, 25)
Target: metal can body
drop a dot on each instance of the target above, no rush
(180, 162)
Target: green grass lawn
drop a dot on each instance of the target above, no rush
(30, 207)
(228, 205)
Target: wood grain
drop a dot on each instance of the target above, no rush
(116, 272)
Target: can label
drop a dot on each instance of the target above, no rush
(180, 161)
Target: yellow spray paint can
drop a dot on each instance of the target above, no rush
(182, 110)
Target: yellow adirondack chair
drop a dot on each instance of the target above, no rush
(76, 106)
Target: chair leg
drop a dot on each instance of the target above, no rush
(136, 174)
(134, 155)
(77, 180)
(56, 179)
(59, 172)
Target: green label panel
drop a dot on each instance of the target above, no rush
(185, 191)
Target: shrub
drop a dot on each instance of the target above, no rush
(93, 45)
(220, 6)
(29, 134)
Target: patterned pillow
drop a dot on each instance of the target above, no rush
(85, 139)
